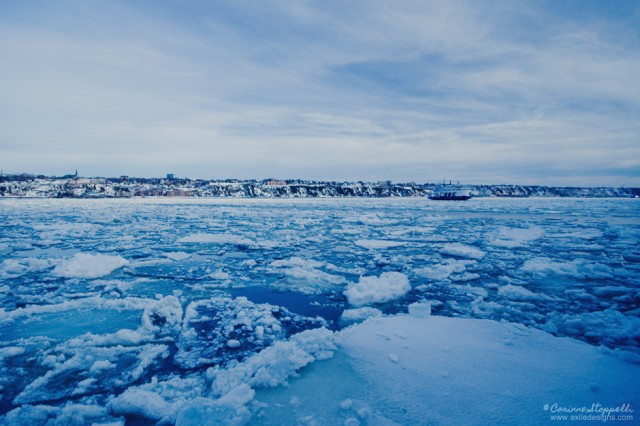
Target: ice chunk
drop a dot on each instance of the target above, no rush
(378, 244)
(203, 238)
(70, 414)
(545, 265)
(466, 276)
(228, 410)
(163, 317)
(84, 265)
(516, 237)
(274, 365)
(13, 268)
(124, 337)
(249, 263)
(219, 275)
(297, 262)
(608, 327)
(442, 271)
(461, 250)
(310, 281)
(238, 396)
(420, 309)
(350, 316)
(389, 286)
(141, 403)
(578, 268)
(209, 326)
(70, 377)
(303, 275)
(119, 286)
(177, 255)
(10, 351)
(586, 233)
(233, 343)
(612, 291)
(514, 292)
(166, 398)
(101, 365)
(96, 302)
(371, 219)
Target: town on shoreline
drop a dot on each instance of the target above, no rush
(74, 186)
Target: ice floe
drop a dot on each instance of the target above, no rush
(463, 251)
(350, 316)
(304, 275)
(442, 271)
(124, 319)
(378, 244)
(389, 286)
(86, 265)
(209, 325)
(14, 268)
(516, 237)
(609, 327)
(274, 365)
(177, 255)
(514, 292)
(475, 369)
(223, 238)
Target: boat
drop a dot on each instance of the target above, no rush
(450, 191)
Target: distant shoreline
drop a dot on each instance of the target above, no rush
(222, 198)
(27, 186)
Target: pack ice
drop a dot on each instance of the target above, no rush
(318, 312)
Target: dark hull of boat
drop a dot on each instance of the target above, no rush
(450, 198)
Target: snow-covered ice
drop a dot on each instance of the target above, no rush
(368, 290)
(461, 250)
(359, 314)
(465, 371)
(515, 292)
(516, 237)
(177, 255)
(316, 311)
(85, 265)
(203, 238)
(378, 244)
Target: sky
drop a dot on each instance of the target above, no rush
(524, 92)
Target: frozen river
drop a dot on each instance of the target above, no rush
(107, 303)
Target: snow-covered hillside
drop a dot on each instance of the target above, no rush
(21, 186)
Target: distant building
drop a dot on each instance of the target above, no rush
(72, 176)
(124, 192)
(171, 176)
(275, 182)
(384, 183)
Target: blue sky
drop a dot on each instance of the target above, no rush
(531, 92)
